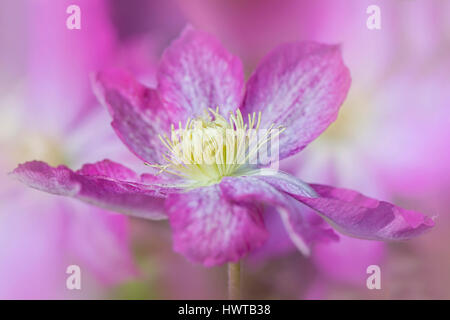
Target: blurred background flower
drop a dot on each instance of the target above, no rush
(49, 113)
(390, 142)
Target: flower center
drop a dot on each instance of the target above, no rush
(209, 148)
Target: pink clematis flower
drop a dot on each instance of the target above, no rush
(215, 207)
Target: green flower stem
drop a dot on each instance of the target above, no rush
(234, 281)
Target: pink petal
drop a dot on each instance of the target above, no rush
(209, 229)
(100, 239)
(197, 73)
(359, 216)
(126, 197)
(300, 86)
(59, 60)
(108, 169)
(138, 115)
(278, 243)
(302, 224)
(165, 183)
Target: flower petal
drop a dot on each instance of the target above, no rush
(138, 115)
(108, 169)
(301, 87)
(278, 243)
(91, 185)
(196, 73)
(359, 216)
(302, 224)
(211, 230)
(352, 213)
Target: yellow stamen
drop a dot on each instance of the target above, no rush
(209, 148)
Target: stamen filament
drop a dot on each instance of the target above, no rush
(208, 148)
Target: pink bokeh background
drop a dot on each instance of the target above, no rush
(391, 141)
